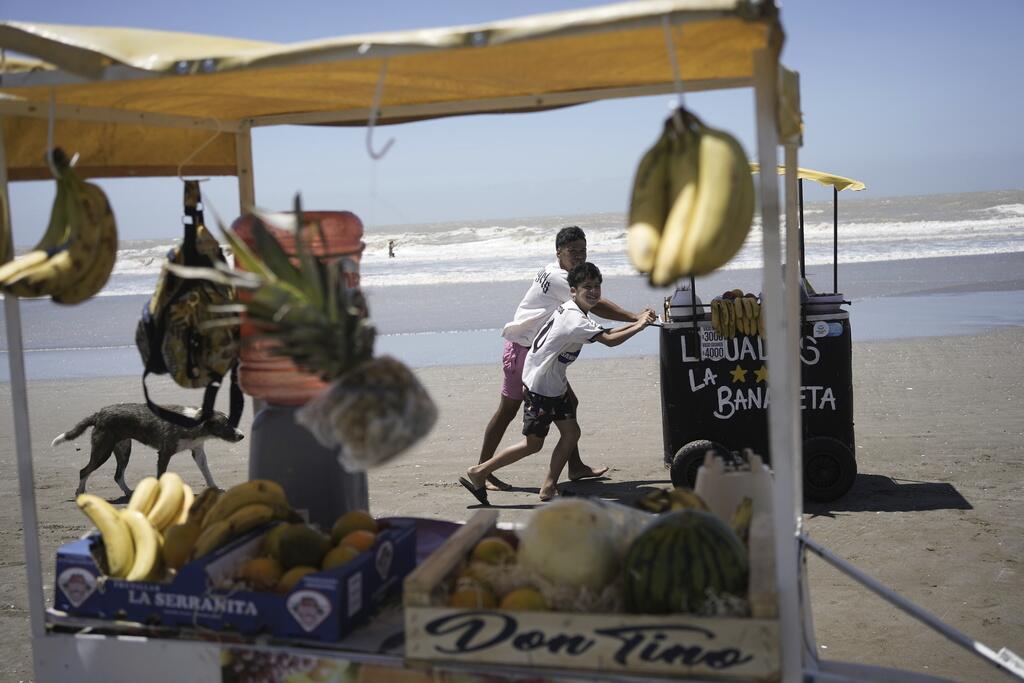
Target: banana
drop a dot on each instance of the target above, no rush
(147, 546)
(737, 304)
(6, 237)
(144, 495)
(90, 225)
(648, 205)
(186, 504)
(723, 207)
(167, 507)
(750, 303)
(741, 519)
(655, 501)
(683, 176)
(251, 516)
(53, 241)
(98, 269)
(117, 538)
(729, 318)
(212, 537)
(760, 321)
(178, 543)
(255, 491)
(202, 504)
(716, 316)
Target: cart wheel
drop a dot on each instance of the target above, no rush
(829, 469)
(690, 457)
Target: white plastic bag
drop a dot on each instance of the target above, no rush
(374, 411)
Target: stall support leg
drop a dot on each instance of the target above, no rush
(23, 438)
(783, 412)
(246, 189)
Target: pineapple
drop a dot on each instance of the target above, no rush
(374, 408)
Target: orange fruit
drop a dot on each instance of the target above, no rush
(291, 577)
(262, 572)
(493, 550)
(339, 556)
(472, 597)
(526, 599)
(353, 520)
(360, 539)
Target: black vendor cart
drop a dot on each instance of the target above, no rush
(715, 389)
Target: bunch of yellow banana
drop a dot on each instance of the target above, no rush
(76, 254)
(218, 519)
(736, 312)
(6, 238)
(692, 202)
(668, 500)
(133, 537)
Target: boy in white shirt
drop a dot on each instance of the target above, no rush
(549, 289)
(545, 387)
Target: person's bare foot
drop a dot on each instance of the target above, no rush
(547, 493)
(476, 479)
(587, 472)
(495, 484)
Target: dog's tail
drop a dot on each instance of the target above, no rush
(75, 431)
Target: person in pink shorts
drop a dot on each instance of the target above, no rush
(549, 289)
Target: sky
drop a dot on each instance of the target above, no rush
(911, 97)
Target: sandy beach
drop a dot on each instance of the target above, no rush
(936, 512)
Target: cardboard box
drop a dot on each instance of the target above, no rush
(677, 645)
(323, 606)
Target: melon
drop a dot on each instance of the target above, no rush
(673, 564)
(570, 543)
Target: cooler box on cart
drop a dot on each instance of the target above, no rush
(715, 394)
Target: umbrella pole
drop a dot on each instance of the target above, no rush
(803, 254)
(835, 240)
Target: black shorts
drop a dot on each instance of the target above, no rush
(540, 411)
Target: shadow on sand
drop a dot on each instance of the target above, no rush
(625, 492)
(878, 493)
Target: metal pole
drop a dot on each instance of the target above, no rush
(693, 300)
(835, 240)
(803, 253)
(1004, 659)
(783, 367)
(23, 436)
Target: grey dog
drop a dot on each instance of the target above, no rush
(114, 428)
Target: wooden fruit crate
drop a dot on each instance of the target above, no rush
(675, 645)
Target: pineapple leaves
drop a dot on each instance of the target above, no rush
(314, 284)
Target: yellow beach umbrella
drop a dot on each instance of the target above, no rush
(828, 179)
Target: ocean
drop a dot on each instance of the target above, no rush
(911, 266)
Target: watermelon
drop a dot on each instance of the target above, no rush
(674, 562)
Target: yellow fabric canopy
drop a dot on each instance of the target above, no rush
(827, 179)
(134, 102)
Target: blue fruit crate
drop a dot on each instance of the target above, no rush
(323, 606)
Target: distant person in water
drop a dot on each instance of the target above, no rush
(549, 289)
(391, 249)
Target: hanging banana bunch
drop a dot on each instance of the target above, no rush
(76, 254)
(692, 203)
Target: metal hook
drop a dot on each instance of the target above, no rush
(374, 112)
(677, 117)
(200, 148)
